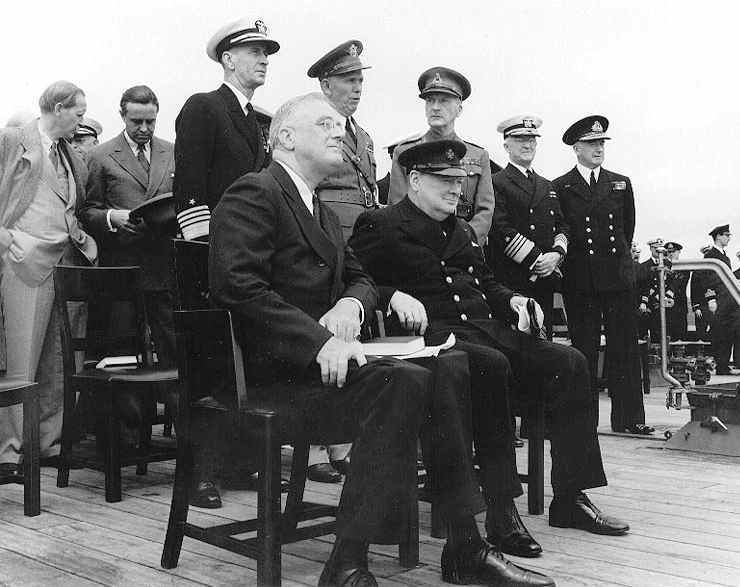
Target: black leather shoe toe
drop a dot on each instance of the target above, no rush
(324, 473)
(517, 544)
(507, 532)
(357, 577)
(205, 495)
(487, 566)
(642, 429)
(580, 513)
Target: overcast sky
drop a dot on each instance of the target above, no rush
(664, 73)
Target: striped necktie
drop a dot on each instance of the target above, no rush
(141, 156)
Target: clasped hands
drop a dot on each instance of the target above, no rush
(343, 321)
(546, 264)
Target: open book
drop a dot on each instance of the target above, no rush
(393, 345)
(124, 361)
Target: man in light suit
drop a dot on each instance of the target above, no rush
(42, 185)
(125, 172)
(298, 296)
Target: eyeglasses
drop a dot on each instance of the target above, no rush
(329, 124)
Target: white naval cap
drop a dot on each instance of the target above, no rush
(240, 32)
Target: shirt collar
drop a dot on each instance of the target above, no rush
(720, 249)
(303, 190)
(522, 169)
(46, 141)
(134, 145)
(586, 172)
(241, 98)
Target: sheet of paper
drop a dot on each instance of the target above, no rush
(431, 351)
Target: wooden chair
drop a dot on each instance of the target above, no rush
(13, 392)
(205, 340)
(108, 284)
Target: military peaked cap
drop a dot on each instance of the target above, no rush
(342, 59)
(436, 157)
(240, 32)
(443, 80)
(591, 128)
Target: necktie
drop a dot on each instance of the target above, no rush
(350, 131)
(54, 155)
(592, 181)
(142, 158)
(530, 176)
(316, 210)
(252, 130)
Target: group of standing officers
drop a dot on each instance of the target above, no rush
(462, 246)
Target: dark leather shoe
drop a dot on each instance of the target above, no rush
(357, 577)
(642, 429)
(324, 473)
(507, 532)
(487, 566)
(205, 495)
(341, 466)
(580, 513)
(248, 482)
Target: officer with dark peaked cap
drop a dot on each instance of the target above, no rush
(676, 282)
(86, 136)
(646, 280)
(426, 260)
(529, 237)
(444, 90)
(220, 134)
(721, 308)
(598, 272)
(352, 189)
(349, 191)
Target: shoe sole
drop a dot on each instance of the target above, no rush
(604, 532)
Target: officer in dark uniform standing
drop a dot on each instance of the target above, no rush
(529, 237)
(725, 329)
(676, 282)
(598, 273)
(648, 308)
(220, 135)
(353, 189)
(444, 90)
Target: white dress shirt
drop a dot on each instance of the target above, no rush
(522, 169)
(586, 172)
(243, 101)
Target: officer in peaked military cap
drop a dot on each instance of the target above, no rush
(86, 136)
(649, 303)
(721, 310)
(676, 282)
(349, 191)
(529, 236)
(598, 272)
(443, 91)
(427, 261)
(220, 136)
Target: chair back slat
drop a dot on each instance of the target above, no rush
(109, 291)
(191, 274)
(210, 360)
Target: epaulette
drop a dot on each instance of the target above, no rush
(413, 138)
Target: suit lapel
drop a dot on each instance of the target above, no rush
(540, 190)
(419, 226)
(124, 156)
(457, 241)
(579, 185)
(315, 236)
(157, 168)
(79, 173)
(238, 116)
(603, 184)
(519, 179)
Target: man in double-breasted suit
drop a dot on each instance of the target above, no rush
(42, 185)
(425, 259)
(598, 272)
(220, 135)
(125, 172)
(298, 295)
(529, 236)
(444, 90)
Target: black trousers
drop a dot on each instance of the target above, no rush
(616, 309)
(725, 335)
(502, 360)
(383, 409)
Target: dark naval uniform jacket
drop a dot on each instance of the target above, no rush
(527, 221)
(352, 190)
(215, 144)
(601, 229)
(476, 201)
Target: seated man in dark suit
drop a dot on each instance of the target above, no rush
(419, 249)
(298, 297)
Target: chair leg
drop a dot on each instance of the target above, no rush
(268, 506)
(112, 435)
(179, 505)
(145, 432)
(536, 458)
(294, 501)
(68, 430)
(408, 546)
(31, 456)
(167, 421)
